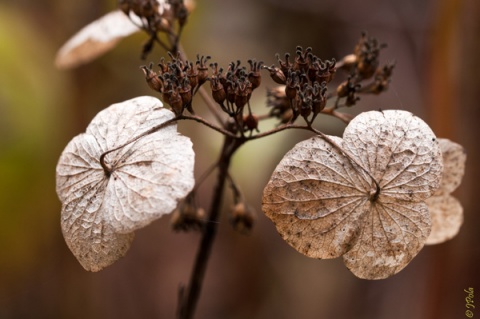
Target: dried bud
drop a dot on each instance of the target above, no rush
(202, 69)
(320, 98)
(276, 74)
(367, 53)
(175, 101)
(242, 218)
(250, 122)
(285, 66)
(242, 93)
(218, 92)
(291, 86)
(186, 93)
(305, 105)
(187, 218)
(192, 74)
(382, 80)
(348, 89)
(254, 76)
(302, 60)
(152, 78)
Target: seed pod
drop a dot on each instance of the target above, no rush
(291, 86)
(186, 93)
(175, 101)
(152, 79)
(254, 76)
(276, 74)
(202, 69)
(250, 121)
(218, 92)
(242, 218)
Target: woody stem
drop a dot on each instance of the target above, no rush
(189, 296)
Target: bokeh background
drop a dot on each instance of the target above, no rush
(436, 46)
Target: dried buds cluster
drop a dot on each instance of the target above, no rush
(178, 81)
(364, 64)
(303, 92)
(305, 81)
(233, 89)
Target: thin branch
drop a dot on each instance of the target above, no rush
(279, 129)
(344, 117)
(189, 296)
(199, 119)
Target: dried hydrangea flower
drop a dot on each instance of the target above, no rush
(446, 211)
(369, 205)
(146, 178)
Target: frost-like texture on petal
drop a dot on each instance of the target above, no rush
(399, 150)
(446, 211)
(392, 233)
(148, 177)
(313, 197)
(325, 203)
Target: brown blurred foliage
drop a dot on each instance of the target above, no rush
(436, 48)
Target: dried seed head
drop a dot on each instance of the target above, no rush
(153, 81)
(250, 121)
(276, 74)
(202, 69)
(254, 75)
(242, 218)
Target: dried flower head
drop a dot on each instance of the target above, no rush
(146, 177)
(362, 196)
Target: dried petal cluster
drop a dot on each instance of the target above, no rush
(446, 211)
(362, 196)
(102, 35)
(147, 176)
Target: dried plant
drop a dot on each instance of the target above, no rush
(366, 196)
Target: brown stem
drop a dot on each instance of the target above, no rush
(344, 117)
(189, 296)
(199, 119)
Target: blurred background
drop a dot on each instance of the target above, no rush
(436, 48)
